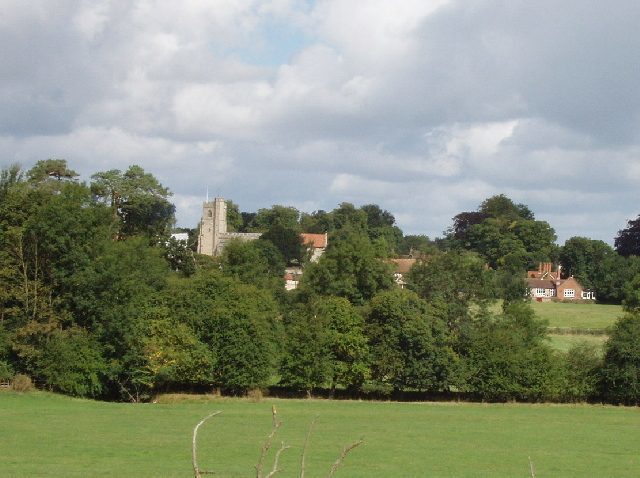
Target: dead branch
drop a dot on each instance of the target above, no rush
(345, 451)
(305, 446)
(267, 444)
(196, 470)
(275, 468)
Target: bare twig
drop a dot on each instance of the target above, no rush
(196, 470)
(532, 468)
(275, 468)
(345, 451)
(306, 444)
(267, 444)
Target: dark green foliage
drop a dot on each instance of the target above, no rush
(417, 245)
(287, 240)
(287, 217)
(621, 370)
(238, 322)
(584, 259)
(138, 202)
(581, 373)
(349, 268)
(255, 262)
(505, 357)
(326, 345)
(453, 281)
(505, 234)
(55, 169)
(409, 345)
(71, 363)
(179, 256)
(627, 242)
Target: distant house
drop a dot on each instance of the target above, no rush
(401, 268)
(315, 243)
(546, 284)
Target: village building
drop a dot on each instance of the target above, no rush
(401, 268)
(545, 284)
(213, 237)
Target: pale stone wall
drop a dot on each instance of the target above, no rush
(213, 236)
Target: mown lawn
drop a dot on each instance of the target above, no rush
(48, 435)
(577, 315)
(564, 342)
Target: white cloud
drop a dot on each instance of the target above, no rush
(426, 107)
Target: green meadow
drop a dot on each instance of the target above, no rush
(49, 435)
(577, 315)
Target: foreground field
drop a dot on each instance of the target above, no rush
(48, 435)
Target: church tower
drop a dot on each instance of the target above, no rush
(212, 225)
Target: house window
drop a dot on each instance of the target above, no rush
(569, 293)
(539, 291)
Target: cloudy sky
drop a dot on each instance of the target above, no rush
(425, 107)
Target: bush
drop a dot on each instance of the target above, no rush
(22, 383)
(620, 379)
(6, 372)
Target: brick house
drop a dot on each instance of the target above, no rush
(545, 284)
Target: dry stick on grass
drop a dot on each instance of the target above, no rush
(194, 452)
(532, 469)
(345, 452)
(306, 444)
(267, 444)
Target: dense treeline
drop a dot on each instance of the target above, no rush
(97, 300)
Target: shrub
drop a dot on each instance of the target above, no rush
(6, 372)
(255, 395)
(22, 383)
(620, 380)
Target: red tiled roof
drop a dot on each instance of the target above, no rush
(315, 240)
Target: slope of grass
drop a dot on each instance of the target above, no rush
(578, 315)
(48, 435)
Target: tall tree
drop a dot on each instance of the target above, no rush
(349, 268)
(627, 242)
(409, 345)
(138, 201)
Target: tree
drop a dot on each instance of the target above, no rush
(583, 258)
(500, 206)
(239, 323)
(409, 345)
(326, 345)
(627, 242)
(137, 200)
(453, 281)
(349, 268)
(620, 380)
(56, 169)
(506, 359)
(71, 363)
(287, 240)
(284, 216)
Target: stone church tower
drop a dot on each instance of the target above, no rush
(212, 227)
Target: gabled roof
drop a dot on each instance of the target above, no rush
(540, 284)
(318, 241)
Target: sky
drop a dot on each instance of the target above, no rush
(424, 107)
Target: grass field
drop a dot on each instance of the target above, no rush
(577, 315)
(51, 436)
(565, 341)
